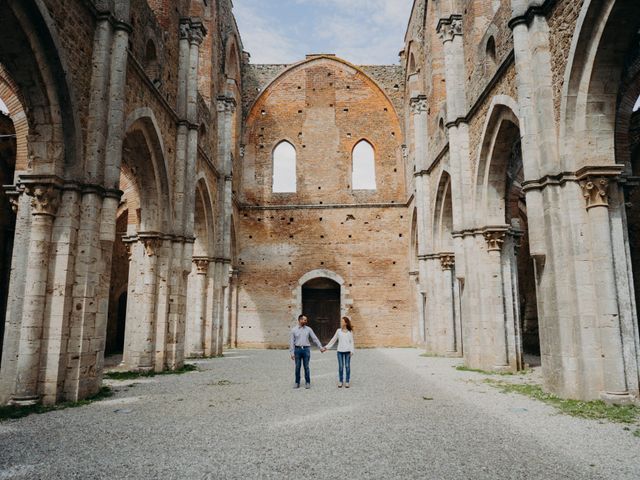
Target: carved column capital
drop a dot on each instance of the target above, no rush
(46, 198)
(448, 28)
(226, 104)
(418, 104)
(447, 261)
(495, 236)
(197, 32)
(202, 265)
(185, 29)
(595, 190)
(151, 245)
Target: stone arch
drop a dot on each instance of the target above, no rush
(443, 215)
(204, 220)
(501, 126)
(31, 54)
(233, 62)
(592, 81)
(143, 142)
(345, 297)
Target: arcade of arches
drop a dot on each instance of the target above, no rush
(164, 198)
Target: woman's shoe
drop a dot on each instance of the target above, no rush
(339, 385)
(346, 385)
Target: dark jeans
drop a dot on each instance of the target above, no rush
(344, 363)
(303, 355)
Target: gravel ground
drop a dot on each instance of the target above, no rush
(405, 416)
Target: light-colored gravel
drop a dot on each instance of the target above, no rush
(240, 418)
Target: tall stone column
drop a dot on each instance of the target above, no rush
(495, 238)
(21, 204)
(596, 193)
(451, 34)
(447, 262)
(196, 320)
(140, 332)
(44, 208)
(422, 178)
(233, 306)
(226, 113)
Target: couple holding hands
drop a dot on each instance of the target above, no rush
(300, 349)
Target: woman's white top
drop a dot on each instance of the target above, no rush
(345, 341)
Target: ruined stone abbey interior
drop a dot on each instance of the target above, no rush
(166, 198)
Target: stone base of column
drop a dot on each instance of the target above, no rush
(452, 354)
(25, 401)
(197, 354)
(614, 398)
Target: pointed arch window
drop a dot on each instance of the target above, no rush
(284, 168)
(364, 167)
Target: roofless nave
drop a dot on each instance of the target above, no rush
(165, 197)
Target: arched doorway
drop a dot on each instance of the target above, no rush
(321, 305)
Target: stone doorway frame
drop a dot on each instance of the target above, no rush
(345, 298)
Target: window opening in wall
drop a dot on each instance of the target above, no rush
(364, 169)
(491, 51)
(151, 63)
(284, 168)
(636, 107)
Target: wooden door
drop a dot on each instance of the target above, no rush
(322, 308)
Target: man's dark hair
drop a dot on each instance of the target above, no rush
(300, 317)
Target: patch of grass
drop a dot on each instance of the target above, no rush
(637, 433)
(595, 410)
(10, 412)
(428, 355)
(132, 375)
(462, 368)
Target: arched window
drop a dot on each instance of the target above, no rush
(364, 167)
(3, 107)
(151, 63)
(284, 168)
(491, 51)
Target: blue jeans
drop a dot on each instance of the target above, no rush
(303, 355)
(344, 363)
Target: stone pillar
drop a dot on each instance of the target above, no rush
(422, 178)
(233, 306)
(196, 321)
(447, 262)
(450, 31)
(44, 208)
(596, 193)
(21, 203)
(140, 334)
(495, 238)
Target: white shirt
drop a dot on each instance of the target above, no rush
(345, 341)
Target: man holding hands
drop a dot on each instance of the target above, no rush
(300, 349)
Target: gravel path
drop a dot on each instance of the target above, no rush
(405, 416)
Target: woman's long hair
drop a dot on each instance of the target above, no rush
(347, 321)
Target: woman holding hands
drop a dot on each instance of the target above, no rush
(346, 349)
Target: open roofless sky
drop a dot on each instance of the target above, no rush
(360, 31)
